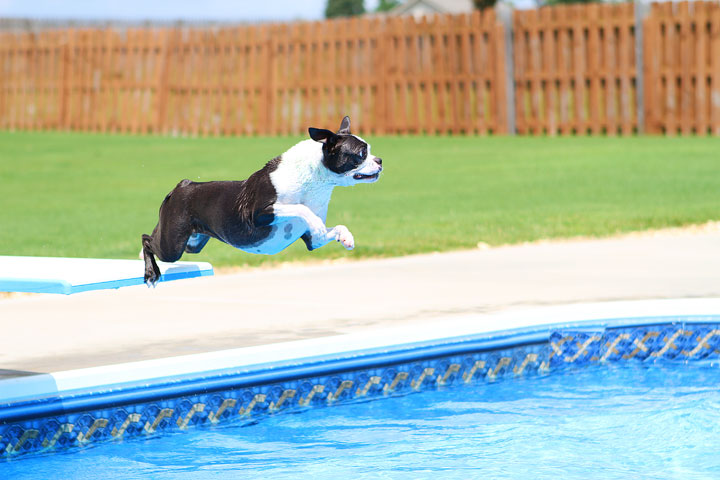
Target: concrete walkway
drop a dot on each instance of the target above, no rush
(44, 333)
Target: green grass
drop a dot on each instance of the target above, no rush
(85, 195)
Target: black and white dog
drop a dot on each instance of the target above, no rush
(285, 200)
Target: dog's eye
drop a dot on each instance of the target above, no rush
(363, 153)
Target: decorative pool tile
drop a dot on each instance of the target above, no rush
(563, 349)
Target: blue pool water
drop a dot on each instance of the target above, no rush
(629, 421)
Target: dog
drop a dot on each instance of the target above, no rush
(285, 200)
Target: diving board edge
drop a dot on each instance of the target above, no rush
(165, 277)
(60, 275)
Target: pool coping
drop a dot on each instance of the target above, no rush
(74, 390)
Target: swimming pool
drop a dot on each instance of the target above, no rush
(619, 421)
(208, 395)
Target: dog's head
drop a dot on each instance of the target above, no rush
(347, 155)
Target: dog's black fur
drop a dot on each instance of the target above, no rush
(238, 213)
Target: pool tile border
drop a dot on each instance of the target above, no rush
(241, 399)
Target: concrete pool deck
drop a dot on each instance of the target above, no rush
(42, 333)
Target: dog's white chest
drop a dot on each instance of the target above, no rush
(300, 179)
(303, 187)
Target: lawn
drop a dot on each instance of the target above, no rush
(91, 195)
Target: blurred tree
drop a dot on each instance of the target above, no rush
(483, 4)
(386, 5)
(344, 8)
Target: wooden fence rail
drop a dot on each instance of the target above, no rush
(574, 68)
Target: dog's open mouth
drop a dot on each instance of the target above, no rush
(362, 176)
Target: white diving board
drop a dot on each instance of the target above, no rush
(74, 275)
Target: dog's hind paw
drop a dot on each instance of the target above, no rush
(343, 235)
(151, 278)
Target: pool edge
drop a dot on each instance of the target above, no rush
(76, 392)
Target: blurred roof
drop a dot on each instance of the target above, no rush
(428, 7)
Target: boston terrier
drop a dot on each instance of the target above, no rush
(285, 200)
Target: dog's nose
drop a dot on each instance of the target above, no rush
(378, 160)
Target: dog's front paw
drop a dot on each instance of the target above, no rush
(343, 235)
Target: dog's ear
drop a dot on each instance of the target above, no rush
(345, 126)
(320, 134)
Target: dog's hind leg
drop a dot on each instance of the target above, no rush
(196, 242)
(170, 236)
(152, 271)
(167, 242)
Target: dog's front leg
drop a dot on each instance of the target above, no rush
(317, 234)
(339, 233)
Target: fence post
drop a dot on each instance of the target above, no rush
(641, 11)
(505, 14)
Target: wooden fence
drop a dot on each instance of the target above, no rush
(574, 71)
(682, 68)
(392, 75)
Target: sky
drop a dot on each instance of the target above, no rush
(217, 10)
(169, 10)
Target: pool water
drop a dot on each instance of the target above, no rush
(630, 421)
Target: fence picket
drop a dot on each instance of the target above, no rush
(715, 70)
